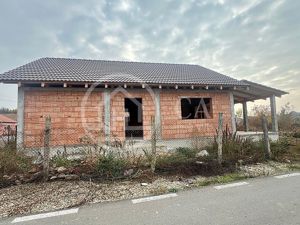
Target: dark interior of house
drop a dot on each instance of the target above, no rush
(134, 118)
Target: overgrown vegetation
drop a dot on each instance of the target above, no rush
(280, 148)
(110, 166)
(61, 161)
(181, 157)
(238, 149)
(182, 161)
(226, 178)
(12, 161)
(288, 120)
(103, 163)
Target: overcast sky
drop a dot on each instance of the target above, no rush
(257, 40)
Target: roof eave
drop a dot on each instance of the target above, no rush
(14, 81)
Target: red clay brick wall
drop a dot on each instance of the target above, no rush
(175, 127)
(118, 112)
(64, 107)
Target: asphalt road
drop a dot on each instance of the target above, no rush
(261, 201)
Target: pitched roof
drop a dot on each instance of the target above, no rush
(5, 119)
(12, 116)
(82, 70)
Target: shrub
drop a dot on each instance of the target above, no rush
(110, 166)
(170, 160)
(186, 152)
(173, 190)
(61, 161)
(237, 148)
(279, 148)
(12, 161)
(296, 135)
(180, 157)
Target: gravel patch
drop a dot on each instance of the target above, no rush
(264, 169)
(41, 197)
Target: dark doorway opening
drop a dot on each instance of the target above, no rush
(134, 118)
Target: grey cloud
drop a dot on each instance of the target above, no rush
(244, 39)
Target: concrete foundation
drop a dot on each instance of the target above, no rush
(256, 136)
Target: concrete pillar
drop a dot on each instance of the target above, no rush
(157, 112)
(233, 122)
(106, 97)
(273, 113)
(20, 119)
(245, 117)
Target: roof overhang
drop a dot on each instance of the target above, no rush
(108, 84)
(255, 91)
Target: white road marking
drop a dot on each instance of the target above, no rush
(230, 185)
(45, 215)
(287, 175)
(153, 198)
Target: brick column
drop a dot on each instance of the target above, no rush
(245, 117)
(273, 113)
(232, 112)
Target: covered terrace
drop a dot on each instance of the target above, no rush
(254, 92)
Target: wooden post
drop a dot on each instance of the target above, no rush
(266, 137)
(220, 137)
(47, 148)
(8, 134)
(153, 144)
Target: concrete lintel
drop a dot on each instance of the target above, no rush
(101, 89)
(20, 118)
(273, 113)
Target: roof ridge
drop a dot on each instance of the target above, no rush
(121, 61)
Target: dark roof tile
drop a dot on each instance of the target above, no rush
(82, 70)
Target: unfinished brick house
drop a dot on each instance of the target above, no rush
(120, 99)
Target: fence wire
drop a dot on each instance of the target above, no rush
(79, 140)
